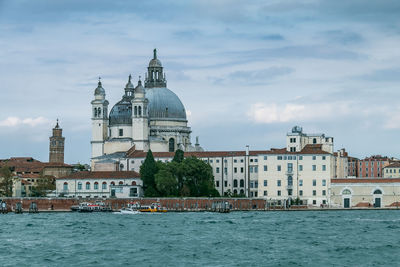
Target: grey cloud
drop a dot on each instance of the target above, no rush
(343, 37)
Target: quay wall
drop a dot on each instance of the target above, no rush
(172, 204)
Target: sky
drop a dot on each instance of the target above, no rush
(246, 71)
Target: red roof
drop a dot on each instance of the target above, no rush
(393, 165)
(102, 175)
(365, 180)
(27, 164)
(308, 149)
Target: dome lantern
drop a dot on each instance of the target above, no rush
(155, 76)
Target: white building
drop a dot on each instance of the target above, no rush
(147, 117)
(104, 184)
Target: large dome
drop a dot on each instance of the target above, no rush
(164, 104)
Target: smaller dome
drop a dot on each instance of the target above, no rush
(139, 88)
(99, 90)
(129, 85)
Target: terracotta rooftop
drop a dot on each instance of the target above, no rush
(308, 149)
(27, 164)
(102, 175)
(365, 180)
(393, 165)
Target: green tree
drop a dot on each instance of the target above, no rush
(43, 186)
(179, 156)
(147, 172)
(6, 181)
(166, 183)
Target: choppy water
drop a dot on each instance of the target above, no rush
(302, 238)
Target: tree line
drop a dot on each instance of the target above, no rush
(182, 177)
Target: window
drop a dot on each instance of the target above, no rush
(121, 132)
(79, 186)
(290, 167)
(96, 185)
(225, 183)
(87, 186)
(251, 169)
(314, 182)
(251, 160)
(377, 192)
(265, 193)
(290, 192)
(284, 157)
(241, 170)
(292, 149)
(256, 184)
(255, 160)
(300, 157)
(314, 157)
(300, 167)
(324, 192)
(217, 183)
(265, 157)
(265, 183)
(217, 170)
(241, 183)
(211, 160)
(265, 168)
(256, 169)
(314, 202)
(279, 192)
(171, 145)
(279, 157)
(278, 168)
(290, 181)
(235, 183)
(323, 157)
(235, 160)
(324, 167)
(225, 161)
(140, 111)
(301, 192)
(314, 140)
(104, 185)
(65, 187)
(278, 182)
(300, 182)
(225, 171)
(314, 167)
(235, 170)
(314, 192)
(323, 182)
(217, 161)
(121, 183)
(241, 160)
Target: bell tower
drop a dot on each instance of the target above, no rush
(99, 120)
(140, 118)
(56, 152)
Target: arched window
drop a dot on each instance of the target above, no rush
(112, 183)
(346, 192)
(96, 185)
(87, 186)
(65, 187)
(121, 183)
(377, 192)
(241, 184)
(171, 145)
(99, 112)
(241, 191)
(135, 111)
(104, 185)
(133, 183)
(79, 186)
(235, 192)
(140, 111)
(95, 112)
(235, 183)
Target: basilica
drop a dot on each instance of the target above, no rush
(149, 116)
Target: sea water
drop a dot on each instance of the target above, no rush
(295, 238)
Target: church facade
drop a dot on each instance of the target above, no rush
(148, 116)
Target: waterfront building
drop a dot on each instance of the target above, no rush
(392, 170)
(147, 117)
(372, 166)
(365, 192)
(352, 167)
(118, 184)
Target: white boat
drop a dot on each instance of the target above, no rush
(129, 211)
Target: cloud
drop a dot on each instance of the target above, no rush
(15, 121)
(274, 113)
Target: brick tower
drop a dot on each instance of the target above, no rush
(57, 145)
